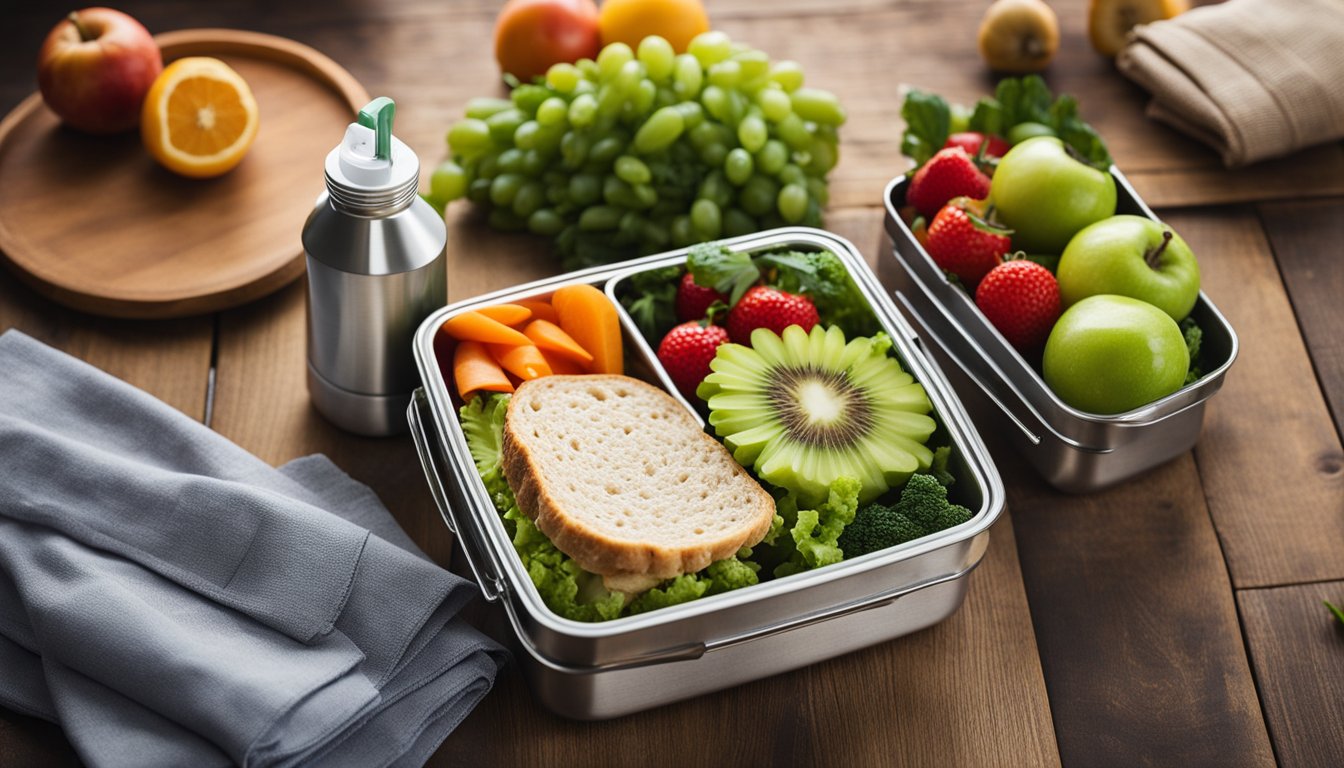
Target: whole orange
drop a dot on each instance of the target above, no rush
(531, 35)
(630, 21)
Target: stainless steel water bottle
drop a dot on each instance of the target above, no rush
(375, 271)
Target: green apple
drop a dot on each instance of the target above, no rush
(1130, 256)
(1111, 354)
(1045, 195)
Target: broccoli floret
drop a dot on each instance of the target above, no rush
(922, 509)
(924, 501)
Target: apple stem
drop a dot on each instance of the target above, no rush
(84, 35)
(1155, 255)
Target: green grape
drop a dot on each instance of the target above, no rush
(661, 129)
(772, 157)
(484, 107)
(755, 67)
(714, 154)
(794, 132)
(505, 187)
(573, 150)
(817, 106)
(618, 193)
(599, 217)
(504, 124)
(823, 157)
(469, 136)
(611, 59)
(563, 77)
(715, 187)
(584, 189)
(448, 182)
(725, 74)
(653, 236)
(605, 151)
(582, 110)
(792, 174)
(510, 160)
(642, 100)
(657, 56)
(792, 203)
(545, 222)
(736, 222)
(717, 103)
(553, 111)
(758, 195)
(629, 77)
(632, 170)
(588, 68)
(558, 196)
(631, 227)
(505, 219)
(774, 103)
(609, 100)
(529, 97)
(704, 134)
(665, 97)
(738, 166)
(478, 191)
(788, 74)
(534, 162)
(547, 138)
(681, 232)
(752, 134)
(710, 48)
(687, 76)
(487, 167)
(526, 135)
(706, 221)
(529, 198)
(645, 195)
(818, 191)
(692, 114)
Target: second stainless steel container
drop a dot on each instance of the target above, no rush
(606, 669)
(1073, 450)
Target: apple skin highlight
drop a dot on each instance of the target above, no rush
(94, 74)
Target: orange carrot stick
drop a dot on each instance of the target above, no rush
(590, 319)
(526, 362)
(551, 338)
(474, 326)
(508, 314)
(474, 369)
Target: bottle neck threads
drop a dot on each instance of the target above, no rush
(372, 203)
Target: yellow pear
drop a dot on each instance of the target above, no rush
(1018, 36)
(1109, 21)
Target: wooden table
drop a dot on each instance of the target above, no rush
(1173, 620)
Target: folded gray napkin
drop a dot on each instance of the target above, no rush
(1253, 79)
(172, 600)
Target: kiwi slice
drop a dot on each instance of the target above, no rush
(804, 409)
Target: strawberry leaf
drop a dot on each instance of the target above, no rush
(928, 121)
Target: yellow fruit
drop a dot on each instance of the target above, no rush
(1109, 21)
(1018, 36)
(630, 21)
(199, 117)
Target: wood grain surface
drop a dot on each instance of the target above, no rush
(1298, 651)
(95, 223)
(1163, 622)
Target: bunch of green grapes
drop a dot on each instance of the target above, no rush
(640, 152)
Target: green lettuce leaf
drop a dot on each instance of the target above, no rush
(814, 533)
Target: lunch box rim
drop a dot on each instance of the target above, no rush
(498, 551)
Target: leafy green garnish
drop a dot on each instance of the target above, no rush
(1015, 101)
(1194, 338)
(814, 533)
(728, 272)
(652, 300)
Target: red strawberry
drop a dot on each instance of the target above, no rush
(766, 307)
(972, 140)
(948, 174)
(963, 243)
(686, 352)
(1021, 299)
(694, 300)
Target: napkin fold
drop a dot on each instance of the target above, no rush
(1253, 79)
(171, 600)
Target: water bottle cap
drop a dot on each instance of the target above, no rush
(371, 168)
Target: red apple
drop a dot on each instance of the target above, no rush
(95, 69)
(531, 35)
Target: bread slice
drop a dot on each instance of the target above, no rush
(623, 479)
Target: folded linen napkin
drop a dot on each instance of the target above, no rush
(171, 600)
(1253, 79)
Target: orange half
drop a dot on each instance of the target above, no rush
(199, 118)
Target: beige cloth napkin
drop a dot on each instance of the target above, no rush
(1253, 79)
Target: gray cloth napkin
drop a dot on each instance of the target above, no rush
(172, 600)
(1253, 79)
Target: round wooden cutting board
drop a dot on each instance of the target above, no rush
(95, 223)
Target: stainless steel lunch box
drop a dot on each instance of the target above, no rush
(602, 670)
(1073, 450)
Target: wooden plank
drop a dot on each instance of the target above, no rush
(1297, 648)
(1308, 243)
(261, 403)
(1135, 621)
(1269, 455)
